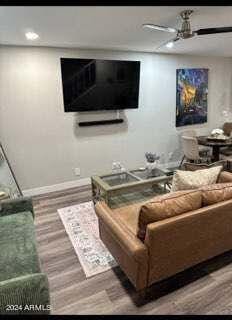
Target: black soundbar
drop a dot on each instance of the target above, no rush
(99, 122)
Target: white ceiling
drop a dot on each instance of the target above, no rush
(115, 28)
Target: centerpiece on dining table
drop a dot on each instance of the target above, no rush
(217, 135)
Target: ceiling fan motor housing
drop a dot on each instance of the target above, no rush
(185, 31)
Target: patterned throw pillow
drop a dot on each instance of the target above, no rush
(186, 180)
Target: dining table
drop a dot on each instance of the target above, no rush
(215, 145)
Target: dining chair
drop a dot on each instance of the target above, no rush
(227, 128)
(203, 152)
(192, 133)
(226, 153)
(227, 156)
(191, 150)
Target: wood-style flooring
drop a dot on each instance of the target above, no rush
(203, 289)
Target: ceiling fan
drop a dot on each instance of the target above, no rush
(185, 31)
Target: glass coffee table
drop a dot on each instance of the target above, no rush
(112, 185)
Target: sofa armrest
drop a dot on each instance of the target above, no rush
(129, 251)
(12, 206)
(25, 294)
(179, 242)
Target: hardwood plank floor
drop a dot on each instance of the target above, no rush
(203, 289)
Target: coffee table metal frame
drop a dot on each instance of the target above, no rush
(101, 190)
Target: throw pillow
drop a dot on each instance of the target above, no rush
(216, 193)
(186, 180)
(166, 206)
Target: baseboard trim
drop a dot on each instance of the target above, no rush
(56, 187)
(68, 185)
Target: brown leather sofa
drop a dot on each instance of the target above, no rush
(171, 245)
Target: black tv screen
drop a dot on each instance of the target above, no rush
(90, 84)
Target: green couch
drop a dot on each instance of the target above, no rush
(23, 288)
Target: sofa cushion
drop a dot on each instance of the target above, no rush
(186, 180)
(216, 193)
(18, 255)
(166, 206)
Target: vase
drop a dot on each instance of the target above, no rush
(150, 166)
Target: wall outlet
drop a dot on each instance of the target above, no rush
(77, 171)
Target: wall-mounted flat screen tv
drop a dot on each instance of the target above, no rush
(90, 84)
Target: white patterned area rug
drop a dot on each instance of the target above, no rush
(81, 224)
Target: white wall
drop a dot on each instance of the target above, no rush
(44, 144)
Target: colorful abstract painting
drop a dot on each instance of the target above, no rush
(191, 96)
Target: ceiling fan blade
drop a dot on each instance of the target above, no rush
(213, 30)
(160, 28)
(171, 41)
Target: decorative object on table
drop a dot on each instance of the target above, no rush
(151, 157)
(191, 96)
(117, 167)
(217, 135)
(81, 224)
(217, 132)
(152, 161)
(8, 180)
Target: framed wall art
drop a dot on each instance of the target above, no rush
(191, 96)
